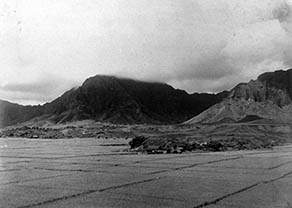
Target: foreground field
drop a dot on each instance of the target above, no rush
(95, 173)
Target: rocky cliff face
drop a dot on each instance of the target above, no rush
(268, 97)
(274, 86)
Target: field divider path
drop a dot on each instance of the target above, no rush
(89, 192)
(66, 157)
(72, 170)
(280, 165)
(35, 179)
(195, 164)
(215, 201)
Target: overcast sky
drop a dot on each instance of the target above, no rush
(49, 46)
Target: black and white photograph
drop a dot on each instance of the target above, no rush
(145, 104)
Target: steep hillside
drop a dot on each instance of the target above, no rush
(11, 113)
(274, 86)
(116, 100)
(268, 97)
(239, 110)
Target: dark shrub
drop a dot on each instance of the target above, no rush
(214, 146)
(137, 141)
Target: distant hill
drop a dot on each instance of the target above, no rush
(268, 97)
(11, 114)
(115, 100)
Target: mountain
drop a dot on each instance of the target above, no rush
(11, 113)
(115, 100)
(268, 97)
(274, 86)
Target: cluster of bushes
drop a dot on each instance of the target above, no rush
(137, 141)
(164, 145)
(178, 145)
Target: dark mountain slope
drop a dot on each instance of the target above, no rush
(117, 100)
(11, 113)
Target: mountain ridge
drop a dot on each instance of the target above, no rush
(268, 97)
(118, 100)
(115, 100)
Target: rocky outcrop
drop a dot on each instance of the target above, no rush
(238, 109)
(268, 97)
(274, 86)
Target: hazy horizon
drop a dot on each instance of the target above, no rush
(50, 46)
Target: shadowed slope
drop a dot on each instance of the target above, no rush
(116, 100)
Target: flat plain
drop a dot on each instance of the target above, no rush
(97, 173)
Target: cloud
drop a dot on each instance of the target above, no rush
(282, 12)
(47, 47)
(33, 92)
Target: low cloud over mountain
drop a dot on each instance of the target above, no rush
(114, 100)
(196, 45)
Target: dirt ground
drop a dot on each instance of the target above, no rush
(95, 173)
